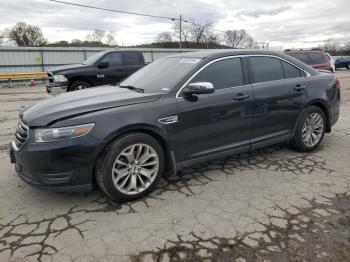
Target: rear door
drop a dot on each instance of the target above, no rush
(279, 88)
(219, 122)
(132, 61)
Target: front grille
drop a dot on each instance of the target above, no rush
(50, 76)
(21, 134)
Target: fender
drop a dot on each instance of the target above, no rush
(160, 134)
(318, 103)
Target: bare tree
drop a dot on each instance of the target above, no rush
(96, 36)
(238, 39)
(200, 32)
(110, 39)
(26, 35)
(164, 37)
(1, 37)
(185, 31)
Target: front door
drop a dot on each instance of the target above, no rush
(215, 123)
(115, 72)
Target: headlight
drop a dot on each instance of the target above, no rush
(61, 133)
(59, 78)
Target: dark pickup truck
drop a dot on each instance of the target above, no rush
(107, 67)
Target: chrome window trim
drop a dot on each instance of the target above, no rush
(307, 74)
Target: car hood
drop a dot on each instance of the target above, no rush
(60, 69)
(80, 102)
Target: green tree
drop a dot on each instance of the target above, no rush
(26, 35)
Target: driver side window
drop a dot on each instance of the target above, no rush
(222, 74)
(114, 59)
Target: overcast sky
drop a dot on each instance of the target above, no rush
(295, 23)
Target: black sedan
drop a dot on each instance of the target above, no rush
(176, 112)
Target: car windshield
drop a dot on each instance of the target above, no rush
(92, 59)
(161, 75)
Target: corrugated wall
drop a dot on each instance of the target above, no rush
(40, 59)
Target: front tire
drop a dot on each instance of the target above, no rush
(130, 167)
(79, 85)
(310, 129)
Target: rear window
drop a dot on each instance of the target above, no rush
(131, 58)
(300, 56)
(317, 58)
(291, 71)
(266, 69)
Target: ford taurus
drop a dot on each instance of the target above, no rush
(175, 112)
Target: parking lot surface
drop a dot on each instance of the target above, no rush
(273, 204)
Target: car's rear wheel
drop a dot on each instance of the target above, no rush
(79, 85)
(310, 129)
(130, 167)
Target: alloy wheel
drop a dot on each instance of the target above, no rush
(135, 169)
(312, 129)
(80, 87)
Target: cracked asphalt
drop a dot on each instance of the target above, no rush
(273, 204)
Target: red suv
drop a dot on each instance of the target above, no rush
(315, 58)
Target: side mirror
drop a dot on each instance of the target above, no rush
(198, 88)
(103, 64)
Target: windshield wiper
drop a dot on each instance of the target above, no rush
(136, 89)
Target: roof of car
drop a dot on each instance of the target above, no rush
(303, 51)
(223, 52)
(215, 54)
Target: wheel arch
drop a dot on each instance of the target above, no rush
(320, 104)
(157, 133)
(77, 78)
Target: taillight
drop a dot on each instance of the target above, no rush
(337, 83)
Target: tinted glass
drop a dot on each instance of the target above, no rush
(300, 56)
(222, 74)
(162, 75)
(114, 59)
(131, 58)
(317, 58)
(266, 69)
(291, 71)
(92, 59)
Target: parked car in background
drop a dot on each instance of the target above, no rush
(342, 62)
(315, 58)
(331, 60)
(107, 67)
(176, 112)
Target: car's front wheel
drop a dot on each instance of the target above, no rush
(310, 129)
(79, 85)
(130, 167)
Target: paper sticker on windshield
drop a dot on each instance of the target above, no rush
(189, 60)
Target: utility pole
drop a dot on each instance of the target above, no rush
(180, 30)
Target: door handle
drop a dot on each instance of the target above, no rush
(299, 87)
(241, 97)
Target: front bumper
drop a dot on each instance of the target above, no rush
(56, 88)
(63, 166)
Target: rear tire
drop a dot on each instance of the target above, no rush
(130, 167)
(310, 129)
(79, 85)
